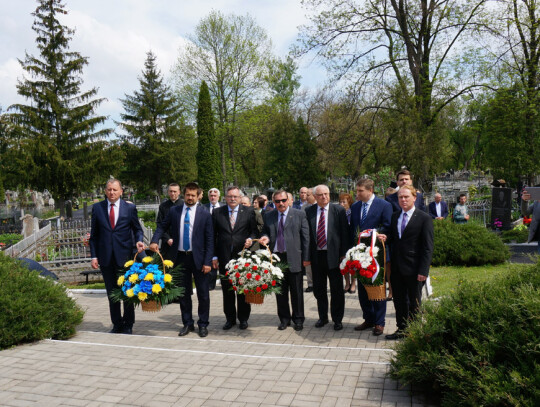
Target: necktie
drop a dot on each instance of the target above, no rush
(186, 230)
(232, 219)
(280, 237)
(111, 216)
(321, 234)
(403, 222)
(364, 213)
(212, 209)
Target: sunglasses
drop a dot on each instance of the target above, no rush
(280, 200)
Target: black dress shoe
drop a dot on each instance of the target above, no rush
(203, 331)
(243, 325)
(116, 330)
(298, 327)
(127, 330)
(284, 325)
(338, 326)
(185, 330)
(228, 325)
(320, 323)
(309, 289)
(396, 335)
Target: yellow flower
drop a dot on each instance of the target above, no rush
(142, 296)
(167, 278)
(147, 259)
(149, 277)
(156, 288)
(128, 263)
(129, 292)
(168, 264)
(133, 278)
(120, 280)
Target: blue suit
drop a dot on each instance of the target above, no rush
(112, 248)
(202, 249)
(419, 203)
(378, 217)
(432, 210)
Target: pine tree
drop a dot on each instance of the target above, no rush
(160, 146)
(208, 160)
(303, 158)
(63, 136)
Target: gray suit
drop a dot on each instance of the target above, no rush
(534, 209)
(296, 236)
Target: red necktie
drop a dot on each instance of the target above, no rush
(111, 216)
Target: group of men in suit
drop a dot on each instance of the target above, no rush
(202, 238)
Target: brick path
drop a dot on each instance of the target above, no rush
(260, 366)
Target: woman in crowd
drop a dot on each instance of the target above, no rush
(346, 201)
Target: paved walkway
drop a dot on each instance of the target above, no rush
(260, 366)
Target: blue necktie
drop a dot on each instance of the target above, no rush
(186, 230)
(364, 213)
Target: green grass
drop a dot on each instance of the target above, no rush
(91, 286)
(445, 279)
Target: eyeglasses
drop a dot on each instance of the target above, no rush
(281, 200)
(232, 196)
(323, 194)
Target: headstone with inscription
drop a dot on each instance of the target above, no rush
(501, 208)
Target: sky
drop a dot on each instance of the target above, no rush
(116, 35)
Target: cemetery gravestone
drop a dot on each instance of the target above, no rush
(501, 207)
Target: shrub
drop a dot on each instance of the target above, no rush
(9, 239)
(32, 307)
(147, 216)
(478, 346)
(519, 234)
(466, 245)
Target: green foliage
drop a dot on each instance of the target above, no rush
(208, 148)
(466, 244)
(33, 308)
(62, 146)
(519, 234)
(478, 346)
(159, 146)
(10, 238)
(147, 216)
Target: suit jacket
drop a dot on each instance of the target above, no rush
(106, 242)
(411, 255)
(298, 204)
(202, 237)
(208, 205)
(296, 234)
(337, 237)
(527, 210)
(378, 217)
(419, 203)
(228, 242)
(163, 211)
(433, 211)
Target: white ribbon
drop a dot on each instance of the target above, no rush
(373, 234)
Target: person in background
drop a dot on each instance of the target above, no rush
(404, 177)
(291, 200)
(173, 191)
(310, 200)
(302, 198)
(461, 212)
(527, 210)
(438, 209)
(213, 198)
(346, 201)
(260, 222)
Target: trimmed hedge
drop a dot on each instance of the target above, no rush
(466, 245)
(479, 346)
(33, 308)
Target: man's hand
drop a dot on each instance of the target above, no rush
(140, 247)
(215, 264)
(206, 269)
(95, 264)
(381, 237)
(153, 247)
(440, 217)
(169, 242)
(421, 277)
(248, 243)
(306, 263)
(264, 240)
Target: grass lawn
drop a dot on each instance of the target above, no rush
(445, 279)
(91, 286)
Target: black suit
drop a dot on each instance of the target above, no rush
(296, 237)
(411, 255)
(228, 243)
(163, 211)
(192, 261)
(212, 276)
(325, 263)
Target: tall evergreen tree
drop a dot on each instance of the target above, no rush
(208, 148)
(160, 146)
(305, 166)
(59, 128)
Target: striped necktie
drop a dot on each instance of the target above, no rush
(321, 233)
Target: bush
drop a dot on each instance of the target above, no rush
(466, 245)
(9, 239)
(478, 346)
(519, 234)
(32, 307)
(147, 216)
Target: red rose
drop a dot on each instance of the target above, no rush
(248, 276)
(265, 271)
(230, 281)
(257, 277)
(237, 274)
(258, 289)
(246, 265)
(264, 286)
(234, 288)
(273, 283)
(254, 268)
(235, 267)
(246, 291)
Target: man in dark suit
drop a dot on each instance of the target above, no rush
(286, 231)
(174, 200)
(329, 241)
(411, 247)
(234, 228)
(404, 177)
(193, 239)
(213, 198)
(370, 212)
(114, 226)
(302, 198)
(438, 209)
